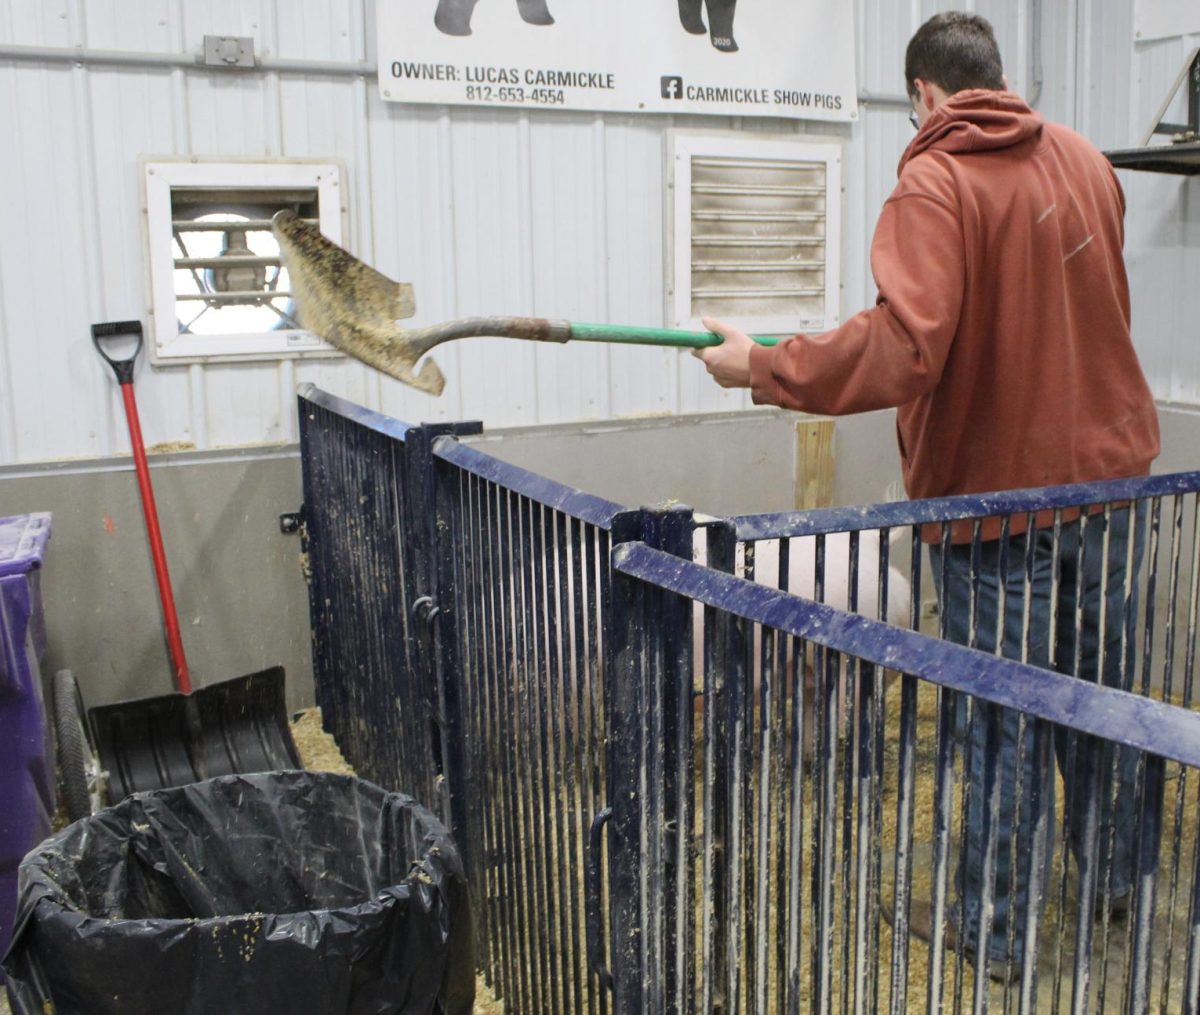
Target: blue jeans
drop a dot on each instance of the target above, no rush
(1011, 900)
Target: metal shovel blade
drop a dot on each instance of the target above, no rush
(233, 726)
(355, 309)
(351, 305)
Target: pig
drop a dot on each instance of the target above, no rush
(761, 564)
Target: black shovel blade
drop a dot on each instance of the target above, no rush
(233, 726)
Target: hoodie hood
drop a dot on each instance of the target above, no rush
(976, 120)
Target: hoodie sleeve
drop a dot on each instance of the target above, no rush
(894, 352)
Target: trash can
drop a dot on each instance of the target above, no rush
(26, 751)
(274, 892)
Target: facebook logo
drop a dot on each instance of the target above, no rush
(672, 87)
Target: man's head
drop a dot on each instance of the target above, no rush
(951, 52)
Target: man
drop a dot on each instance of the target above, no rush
(1001, 332)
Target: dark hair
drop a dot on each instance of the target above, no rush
(954, 50)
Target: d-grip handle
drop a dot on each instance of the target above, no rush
(122, 367)
(594, 915)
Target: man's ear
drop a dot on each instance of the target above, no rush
(925, 94)
(1004, 78)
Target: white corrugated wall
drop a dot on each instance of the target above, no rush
(485, 211)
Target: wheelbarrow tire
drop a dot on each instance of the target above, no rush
(76, 756)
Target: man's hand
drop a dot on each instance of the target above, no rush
(729, 362)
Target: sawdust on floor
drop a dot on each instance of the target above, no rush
(317, 749)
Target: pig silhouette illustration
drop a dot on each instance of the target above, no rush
(720, 21)
(453, 17)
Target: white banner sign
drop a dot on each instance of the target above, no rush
(1163, 19)
(792, 58)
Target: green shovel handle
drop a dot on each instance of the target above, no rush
(631, 335)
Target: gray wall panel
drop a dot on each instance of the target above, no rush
(237, 579)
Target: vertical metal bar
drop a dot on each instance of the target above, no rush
(1019, 789)
(740, 642)
(722, 673)
(903, 863)
(600, 660)
(990, 807)
(533, 796)
(823, 830)
(1175, 870)
(460, 782)
(795, 827)
(482, 712)
(865, 974)
(1191, 970)
(494, 919)
(625, 695)
(671, 530)
(786, 687)
(1088, 759)
(905, 793)
(571, 861)
(572, 858)
(1068, 773)
(1041, 815)
(401, 753)
(761, 883)
(1148, 636)
(543, 750)
(418, 465)
(878, 686)
(587, 799)
(507, 668)
(452, 726)
(828, 663)
(1193, 94)
(942, 802)
(846, 730)
(653, 865)
(1151, 593)
(1141, 917)
(1172, 598)
(500, 798)
(967, 749)
(1189, 666)
(1111, 788)
(1191, 979)
(746, 858)
(1166, 950)
(511, 760)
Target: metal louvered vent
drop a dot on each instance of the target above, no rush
(756, 233)
(220, 289)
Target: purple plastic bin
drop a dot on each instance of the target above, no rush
(26, 752)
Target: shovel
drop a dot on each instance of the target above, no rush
(355, 309)
(236, 725)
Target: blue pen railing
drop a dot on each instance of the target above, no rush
(678, 790)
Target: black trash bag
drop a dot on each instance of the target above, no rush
(277, 892)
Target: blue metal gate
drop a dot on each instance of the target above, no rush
(677, 790)
(776, 879)
(459, 609)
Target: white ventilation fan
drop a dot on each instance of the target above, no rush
(220, 290)
(756, 232)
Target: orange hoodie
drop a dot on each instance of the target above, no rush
(1001, 329)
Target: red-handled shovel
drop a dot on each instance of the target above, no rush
(123, 368)
(236, 725)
